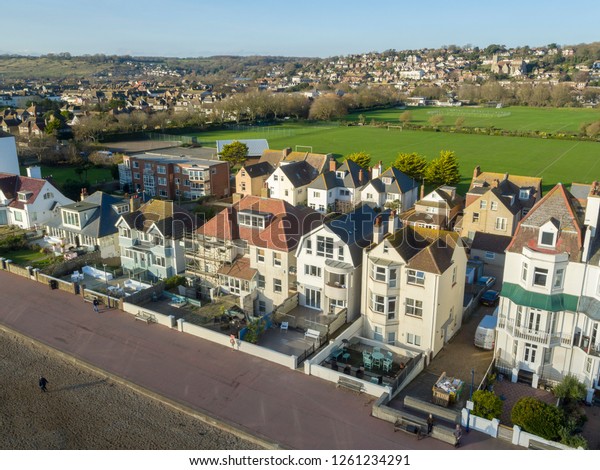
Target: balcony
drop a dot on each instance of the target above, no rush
(336, 291)
(532, 335)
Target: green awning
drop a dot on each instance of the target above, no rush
(551, 303)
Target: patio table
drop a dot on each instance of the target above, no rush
(377, 358)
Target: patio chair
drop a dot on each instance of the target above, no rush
(376, 349)
(368, 363)
(387, 365)
(366, 355)
(284, 326)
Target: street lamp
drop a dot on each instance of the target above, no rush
(470, 403)
(106, 282)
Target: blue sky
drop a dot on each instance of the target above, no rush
(192, 28)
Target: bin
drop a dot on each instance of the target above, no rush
(53, 284)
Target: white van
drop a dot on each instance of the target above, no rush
(485, 335)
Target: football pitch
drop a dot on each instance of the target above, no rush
(555, 161)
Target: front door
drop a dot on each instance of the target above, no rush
(313, 298)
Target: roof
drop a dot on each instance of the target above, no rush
(424, 249)
(259, 169)
(564, 210)
(255, 146)
(180, 158)
(299, 173)
(505, 184)
(282, 232)
(171, 220)
(580, 191)
(519, 181)
(317, 160)
(239, 269)
(351, 178)
(11, 184)
(399, 182)
(490, 242)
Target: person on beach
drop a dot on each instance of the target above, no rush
(42, 383)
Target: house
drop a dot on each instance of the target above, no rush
(392, 189)
(89, 224)
(413, 286)
(150, 239)
(330, 258)
(9, 162)
(290, 181)
(490, 248)
(250, 250)
(319, 161)
(174, 176)
(337, 189)
(496, 202)
(28, 201)
(437, 210)
(251, 179)
(550, 300)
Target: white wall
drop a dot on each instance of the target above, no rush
(9, 163)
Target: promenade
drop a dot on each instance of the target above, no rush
(281, 406)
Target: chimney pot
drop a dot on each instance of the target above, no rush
(332, 164)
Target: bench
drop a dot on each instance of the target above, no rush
(408, 426)
(350, 384)
(312, 334)
(144, 316)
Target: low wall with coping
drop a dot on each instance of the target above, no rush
(161, 318)
(331, 375)
(67, 286)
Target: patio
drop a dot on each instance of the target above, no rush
(291, 341)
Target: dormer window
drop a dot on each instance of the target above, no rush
(523, 194)
(548, 234)
(24, 195)
(253, 219)
(547, 239)
(386, 180)
(121, 208)
(339, 174)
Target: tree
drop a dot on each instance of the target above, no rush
(436, 120)
(405, 117)
(327, 107)
(537, 417)
(487, 404)
(361, 158)
(593, 129)
(411, 164)
(235, 153)
(459, 122)
(52, 127)
(570, 390)
(443, 170)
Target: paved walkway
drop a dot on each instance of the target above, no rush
(281, 405)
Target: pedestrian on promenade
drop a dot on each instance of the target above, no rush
(95, 303)
(429, 423)
(457, 435)
(42, 383)
(232, 341)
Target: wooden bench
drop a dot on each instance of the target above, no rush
(408, 426)
(145, 316)
(350, 384)
(312, 334)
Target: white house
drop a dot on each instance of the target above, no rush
(330, 259)
(27, 202)
(413, 287)
(550, 300)
(337, 189)
(391, 188)
(9, 163)
(290, 181)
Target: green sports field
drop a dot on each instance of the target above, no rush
(513, 118)
(555, 161)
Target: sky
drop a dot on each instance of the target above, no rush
(308, 28)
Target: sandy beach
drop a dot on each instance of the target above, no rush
(82, 410)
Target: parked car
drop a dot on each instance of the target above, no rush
(487, 281)
(490, 298)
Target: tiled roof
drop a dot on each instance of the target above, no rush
(401, 183)
(12, 184)
(283, 230)
(171, 220)
(519, 181)
(240, 269)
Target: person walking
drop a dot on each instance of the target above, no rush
(457, 435)
(232, 341)
(429, 423)
(95, 303)
(42, 383)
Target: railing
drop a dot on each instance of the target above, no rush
(408, 368)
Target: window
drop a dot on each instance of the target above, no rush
(378, 273)
(530, 352)
(136, 176)
(243, 185)
(475, 217)
(277, 259)
(161, 169)
(378, 333)
(162, 181)
(393, 280)
(524, 269)
(558, 278)
(316, 194)
(540, 276)
(515, 346)
(385, 249)
(588, 365)
(48, 196)
(147, 166)
(18, 215)
(309, 246)
(547, 239)
(276, 285)
(252, 220)
(415, 277)
(275, 178)
(453, 275)
(413, 339)
(483, 204)
(524, 194)
(287, 193)
(341, 253)
(162, 192)
(176, 169)
(260, 255)
(391, 337)
(136, 164)
(186, 182)
(262, 306)
(325, 247)
(414, 307)
(124, 232)
(490, 255)
(159, 261)
(69, 218)
(391, 308)
(377, 303)
(321, 208)
(312, 270)
(261, 281)
(369, 196)
(494, 205)
(501, 224)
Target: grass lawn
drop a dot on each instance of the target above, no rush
(62, 173)
(553, 160)
(26, 257)
(514, 118)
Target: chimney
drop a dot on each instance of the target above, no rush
(496, 183)
(83, 194)
(286, 151)
(264, 191)
(422, 191)
(332, 164)
(376, 170)
(377, 230)
(505, 176)
(393, 223)
(361, 176)
(476, 172)
(134, 203)
(34, 172)
(237, 197)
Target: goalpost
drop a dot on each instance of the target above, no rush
(298, 147)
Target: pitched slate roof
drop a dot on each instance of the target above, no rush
(12, 184)
(355, 229)
(171, 220)
(259, 169)
(425, 249)
(399, 184)
(490, 242)
(282, 232)
(351, 179)
(299, 173)
(564, 210)
(507, 184)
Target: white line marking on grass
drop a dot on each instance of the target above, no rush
(559, 157)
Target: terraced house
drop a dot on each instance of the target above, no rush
(413, 286)
(549, 313)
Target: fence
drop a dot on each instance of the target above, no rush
(147, 295)
(184, 139)
(412, 368)
(67, 267)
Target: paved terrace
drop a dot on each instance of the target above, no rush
(281, 405)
